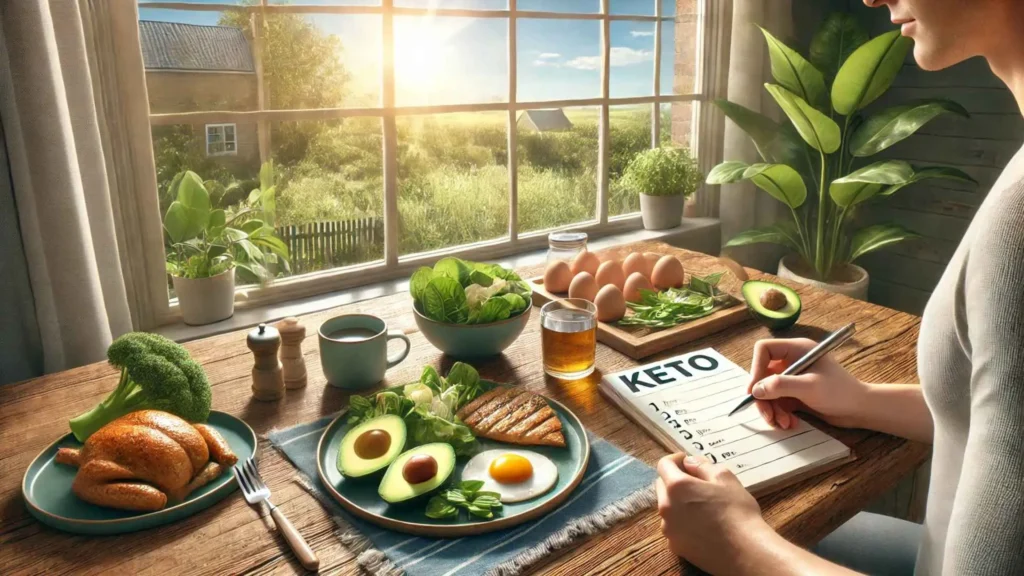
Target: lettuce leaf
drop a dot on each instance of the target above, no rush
(493, 309)
(444, 300)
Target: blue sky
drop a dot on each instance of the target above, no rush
(442, 60)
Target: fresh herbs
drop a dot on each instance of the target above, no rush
(677, 305)
(428, 406)
(468, 496)
(456, 291)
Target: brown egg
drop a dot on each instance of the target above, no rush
(634, 284)
(610, 273)
(668, 273)
(557, 277)
(585, 262)
(636, 262)
(583, 286)
(651, 259)
(611, 305)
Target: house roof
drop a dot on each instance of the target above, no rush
(546, 120)
(178, 46)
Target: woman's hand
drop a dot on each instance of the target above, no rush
(707, 516)
(826, 389)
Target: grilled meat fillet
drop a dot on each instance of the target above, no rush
(515, 416)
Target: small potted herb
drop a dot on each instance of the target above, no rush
(206, 245)
(664, 178)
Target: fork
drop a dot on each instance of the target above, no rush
(256, 491)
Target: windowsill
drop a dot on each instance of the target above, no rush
(701, 234)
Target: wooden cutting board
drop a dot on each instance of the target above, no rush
(639, 342)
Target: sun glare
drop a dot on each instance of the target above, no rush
(425, 59)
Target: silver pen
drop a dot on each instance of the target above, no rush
(830, 343)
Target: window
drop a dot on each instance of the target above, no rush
(400, 130)
(220, 139)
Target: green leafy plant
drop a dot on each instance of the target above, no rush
(663, 172)
(846, 72)
(467, 496)
(457, 291)
(677, 305)
(203, 241)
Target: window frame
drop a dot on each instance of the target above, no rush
(224, 139)
(133, 154)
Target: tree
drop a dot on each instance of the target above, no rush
(301, 63)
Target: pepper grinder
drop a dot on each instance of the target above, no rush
(267, 377)
(294, 365)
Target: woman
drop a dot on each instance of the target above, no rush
(970, 404)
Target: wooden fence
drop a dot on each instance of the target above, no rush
(323, 245)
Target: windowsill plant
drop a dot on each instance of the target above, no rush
(664, 178)
(207, 245)
(811, 152)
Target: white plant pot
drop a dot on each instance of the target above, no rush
(853, 283)
(206, 300)
(661, 212)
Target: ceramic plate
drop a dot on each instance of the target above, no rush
(360, 496)
(47, 489)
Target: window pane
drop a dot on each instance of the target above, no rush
(180, 147)
(630, 134)
(668, 7)
(680, 50)
(452, 179)
(322, 61)
(450, 60)
(583, 6)
(196, 61)
(328, 2)
(557, 158)
(470, 4)
(558, 59)
(632, 57)
(330, 191)
(640, 7)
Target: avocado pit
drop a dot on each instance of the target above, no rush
(419, 469)
(773, 299)
(372, 444)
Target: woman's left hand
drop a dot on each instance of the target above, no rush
(707, 516)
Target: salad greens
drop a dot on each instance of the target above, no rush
(457, 291)
(677, 305)
(466, 495)
(428, 406)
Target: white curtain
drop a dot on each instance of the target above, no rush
(743, 206)
(60, 181)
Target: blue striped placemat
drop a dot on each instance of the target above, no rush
(614, 487)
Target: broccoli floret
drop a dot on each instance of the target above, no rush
(156, 374)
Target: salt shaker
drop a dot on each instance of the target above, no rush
(294, 365)
(267, 377)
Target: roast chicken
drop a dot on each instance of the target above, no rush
(145, 459)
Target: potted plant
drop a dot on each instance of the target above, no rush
(664, 178)
(206, 245)
(824, 147)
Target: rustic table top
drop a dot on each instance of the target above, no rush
(231, 537)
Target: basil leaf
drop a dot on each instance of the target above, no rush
(481, 512)
(439, 508)
(455, 496)
(471, 486)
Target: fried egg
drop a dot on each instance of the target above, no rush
(516, 475)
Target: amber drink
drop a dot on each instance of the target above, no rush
(568, 338)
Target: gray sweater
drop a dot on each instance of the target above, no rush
(971, 364)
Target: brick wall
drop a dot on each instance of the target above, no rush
(684, 75)
(171, 92)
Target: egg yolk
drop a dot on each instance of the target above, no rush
(511, 469)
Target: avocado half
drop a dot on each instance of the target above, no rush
(784, 317)
(352, 465)
(395, 489)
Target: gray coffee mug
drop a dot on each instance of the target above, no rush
(358, 357)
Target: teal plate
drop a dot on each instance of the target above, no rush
(47, 489)
(360, 497)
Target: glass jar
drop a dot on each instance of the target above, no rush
(565, 245)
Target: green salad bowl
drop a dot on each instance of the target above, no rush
(468, 341)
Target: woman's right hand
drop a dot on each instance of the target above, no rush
(825, 389)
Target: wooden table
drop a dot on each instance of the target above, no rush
(232, 538)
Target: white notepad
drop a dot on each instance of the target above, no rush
(684, 402)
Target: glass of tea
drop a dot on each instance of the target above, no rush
(568, 338)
